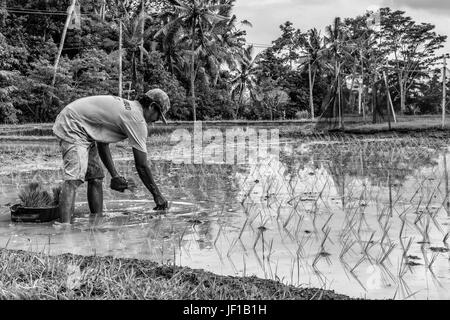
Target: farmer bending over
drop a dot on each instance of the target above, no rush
(85, 129)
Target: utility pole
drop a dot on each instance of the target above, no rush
(388, 93)
(63, 37)
(103, 10)
(388, 110)
(5, 12)
(359, 99)
(120, 58)
(447, 203)
(444, 90)
(339, 91)
(374, 98)
(341, 123)
(311, 100)
(362, 100)
(141, 60)
(129, 90)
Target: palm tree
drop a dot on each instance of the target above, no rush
(312, 43)
(170, 46)
(245, 80)
(229, 41)
(171, 42)
(135, 35)
(338, 52)
(197, 18)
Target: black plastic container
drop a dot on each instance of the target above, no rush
(20, 213)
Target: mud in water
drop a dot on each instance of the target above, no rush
(366, 218)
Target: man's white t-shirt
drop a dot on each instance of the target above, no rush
(106, 119)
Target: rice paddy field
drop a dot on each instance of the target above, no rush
(364, 215)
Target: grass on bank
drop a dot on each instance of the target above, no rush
(412, 124)
(27, 275)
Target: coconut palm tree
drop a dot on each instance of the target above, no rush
(223, 45)
(229, 41)
(171, 44)
(245, 79)
(312, 43)
(197, 18)
(338, 52)
(135, 35)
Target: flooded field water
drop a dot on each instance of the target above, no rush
(364, 217)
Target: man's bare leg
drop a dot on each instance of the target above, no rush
(67, 200)
(95, 196)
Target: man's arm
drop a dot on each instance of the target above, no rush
(105, 155)
(140, 159)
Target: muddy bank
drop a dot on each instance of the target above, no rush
(37, 276)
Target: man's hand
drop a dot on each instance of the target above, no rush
(140, 159)
(119, 184)
(161, 203)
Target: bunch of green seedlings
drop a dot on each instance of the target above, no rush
(35, 195)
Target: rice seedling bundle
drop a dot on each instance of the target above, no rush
(35, 195)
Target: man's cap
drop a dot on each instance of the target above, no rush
(162, 99)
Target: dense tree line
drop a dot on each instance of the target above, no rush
(197, 52)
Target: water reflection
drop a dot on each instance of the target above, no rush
(364, 217)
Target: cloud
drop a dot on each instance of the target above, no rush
(263, 3)
(438, 6)
(267, 15)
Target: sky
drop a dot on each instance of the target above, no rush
(267, 15)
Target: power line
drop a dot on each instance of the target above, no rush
(81, 47)
(29, 9)
(258, 45)
(42, 12)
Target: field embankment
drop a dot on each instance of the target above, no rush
(27, 275)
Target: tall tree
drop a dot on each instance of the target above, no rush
(288, 44)
(135, 35)
(335, 42)
(197, 18)
(412, 46)
(10, 78)
(245, 77)
(312, 44)
(229, 40)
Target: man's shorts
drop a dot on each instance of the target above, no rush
(81, 162)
